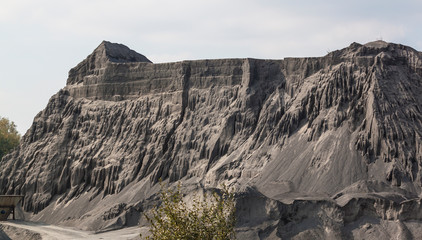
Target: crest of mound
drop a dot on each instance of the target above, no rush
(116, 52)
(105, 53)
(364, 52)
(377, 44)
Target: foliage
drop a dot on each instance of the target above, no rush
(208, 218)
(9, 136)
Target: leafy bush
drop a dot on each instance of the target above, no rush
(212, 217)
(9, 136)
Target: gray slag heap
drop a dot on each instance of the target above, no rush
(326, 147)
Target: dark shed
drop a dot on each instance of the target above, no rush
(8, 204)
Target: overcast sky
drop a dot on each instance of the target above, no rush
(41, 40)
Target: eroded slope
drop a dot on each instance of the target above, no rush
(332, 130)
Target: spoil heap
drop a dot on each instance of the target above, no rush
(326, 147)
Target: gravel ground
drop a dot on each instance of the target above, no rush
(31, 230)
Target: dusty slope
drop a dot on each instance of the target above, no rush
(340, 134)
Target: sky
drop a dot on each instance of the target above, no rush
(40, 41)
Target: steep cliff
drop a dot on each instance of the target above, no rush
(334, 140)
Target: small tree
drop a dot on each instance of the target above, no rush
(9, 136)
(208, 218)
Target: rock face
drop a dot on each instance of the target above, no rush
(325, 147)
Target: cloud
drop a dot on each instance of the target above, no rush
(212, 29)
(207, 26)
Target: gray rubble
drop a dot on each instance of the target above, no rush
(315, 148)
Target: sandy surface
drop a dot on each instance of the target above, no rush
(56, 232)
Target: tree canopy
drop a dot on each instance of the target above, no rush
(9, 136)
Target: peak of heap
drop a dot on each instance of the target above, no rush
(116, 52)
(105, 54)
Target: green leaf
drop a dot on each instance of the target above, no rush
(212, 217)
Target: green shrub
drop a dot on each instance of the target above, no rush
(212, 217)
(9, 136)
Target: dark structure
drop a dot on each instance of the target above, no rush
(8, 204)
